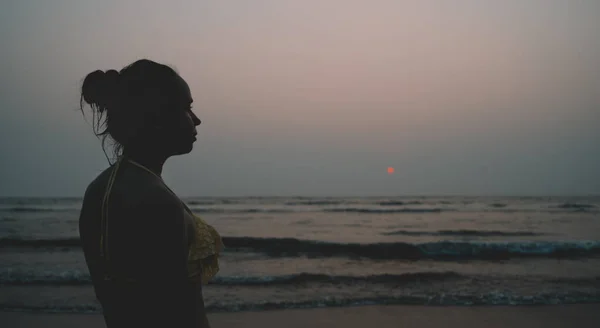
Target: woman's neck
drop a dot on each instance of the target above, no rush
(151, 161)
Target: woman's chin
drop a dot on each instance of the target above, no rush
(186, 149)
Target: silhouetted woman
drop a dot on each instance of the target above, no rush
(147, 253)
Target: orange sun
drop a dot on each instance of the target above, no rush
(390, 170)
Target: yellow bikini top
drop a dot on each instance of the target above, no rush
(203, 255)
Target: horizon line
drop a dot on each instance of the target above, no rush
(350, 196)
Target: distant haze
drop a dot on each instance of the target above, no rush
(471, 97)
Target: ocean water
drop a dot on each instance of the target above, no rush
(304, 252)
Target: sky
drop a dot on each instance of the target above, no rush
(318, 98)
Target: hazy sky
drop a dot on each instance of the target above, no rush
(319, 97)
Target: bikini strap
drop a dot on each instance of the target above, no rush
(104, 218)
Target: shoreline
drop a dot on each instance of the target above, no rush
(382, 316)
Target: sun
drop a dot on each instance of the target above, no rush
(390, 170)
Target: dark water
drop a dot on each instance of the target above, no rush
(316, 252)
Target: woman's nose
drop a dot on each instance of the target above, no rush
(196, 120)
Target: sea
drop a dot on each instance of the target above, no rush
(314, 252)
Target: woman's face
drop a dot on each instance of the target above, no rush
(180, 123)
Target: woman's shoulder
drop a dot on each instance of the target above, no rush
(137, 187)
(131, 187)
(95, 190)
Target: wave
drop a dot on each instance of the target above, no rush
(429, 299)
(197, 206)
(76, 277)
(317, 203)
(383, 210)
(443, 250)
(29, 209)
(303, 278)
(35, 243)
(215, 201)
(198, 202)
(463, 233)
(242, 210)
(576, 206)
(71, 277)
(399, 203)
(294, 209)
(329, 206)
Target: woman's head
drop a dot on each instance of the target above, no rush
(146, 107)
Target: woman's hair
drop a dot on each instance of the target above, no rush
(127, 105)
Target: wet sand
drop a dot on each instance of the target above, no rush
(585, 315)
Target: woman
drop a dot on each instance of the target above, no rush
(148, 255)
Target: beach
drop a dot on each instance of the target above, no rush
(582, 315)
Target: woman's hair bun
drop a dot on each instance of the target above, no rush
(100, 89)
